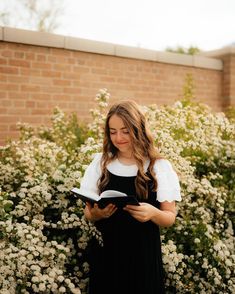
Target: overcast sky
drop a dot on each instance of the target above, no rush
(153, 24)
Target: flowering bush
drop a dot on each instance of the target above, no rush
(199, 250)
(43, 233)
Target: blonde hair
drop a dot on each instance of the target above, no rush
(142, 144)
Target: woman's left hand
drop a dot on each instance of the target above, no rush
(143, 212)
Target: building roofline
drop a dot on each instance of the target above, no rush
(228, 50)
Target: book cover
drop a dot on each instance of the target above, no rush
(109, 196)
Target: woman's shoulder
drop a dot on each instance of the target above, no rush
(95, 162)
(97, 157)
(162, 165)
(168, 181)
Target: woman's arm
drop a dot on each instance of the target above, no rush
(165, 216)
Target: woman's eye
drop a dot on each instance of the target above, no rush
(123, 132)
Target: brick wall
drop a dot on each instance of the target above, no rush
(38, 73)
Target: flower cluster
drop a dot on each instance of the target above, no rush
(29, 261)
(44, 235)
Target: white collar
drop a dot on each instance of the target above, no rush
(120, 169)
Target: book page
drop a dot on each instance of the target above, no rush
(112, 193)
(86, 193)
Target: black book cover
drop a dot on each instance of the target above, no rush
(109, 196)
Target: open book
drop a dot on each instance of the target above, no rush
(109, 196)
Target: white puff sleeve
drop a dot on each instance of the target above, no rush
(92, 175)
(168, 187)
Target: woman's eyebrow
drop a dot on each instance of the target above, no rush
(120, 129)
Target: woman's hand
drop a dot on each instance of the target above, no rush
(165, 216)
(94, 213)
(143, 212)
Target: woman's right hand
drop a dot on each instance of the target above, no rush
(94, 213)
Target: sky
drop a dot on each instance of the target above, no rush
(151, 24)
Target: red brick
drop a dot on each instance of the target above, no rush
(4, 101)
(9, 70)
(30, 72)
(61, 97)
(30, 55)
(61, 82)
(40, 96)
(3, 61)
(7, 53)
(51, 74)
(30, 88)
(3, 78)
(18, 79)
(41, 57)
(62, 67)
(9, 87)
(30, 104)
(19, 63)
(17, 111)
(40, 81)
(20, 55)
(41, 65)
(18, 95)
(42, 111)
(6, 119)
(18, 103)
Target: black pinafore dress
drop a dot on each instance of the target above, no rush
(130, 261)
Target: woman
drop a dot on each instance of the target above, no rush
(130, 261)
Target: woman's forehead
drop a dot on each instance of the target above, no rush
(116, 120)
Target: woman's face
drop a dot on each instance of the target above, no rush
(119, 134)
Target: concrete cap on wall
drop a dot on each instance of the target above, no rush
(58, 41)
(228, 50)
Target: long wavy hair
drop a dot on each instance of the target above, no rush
(142, 144)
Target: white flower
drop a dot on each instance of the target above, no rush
(35, 279)
(52, 273)
(42, 287)
(60, 278)
(217, 281)
(62, 290)
(76, 291)
(228, 262)
(196, 240)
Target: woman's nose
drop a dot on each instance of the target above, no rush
(119, 136)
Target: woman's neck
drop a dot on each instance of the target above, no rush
(126, 158)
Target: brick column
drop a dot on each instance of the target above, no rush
(227, 55)
(228, 86)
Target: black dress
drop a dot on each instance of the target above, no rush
(130, 261)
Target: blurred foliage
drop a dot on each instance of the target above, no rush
(43, 16)
(230, 113)
(190, 51)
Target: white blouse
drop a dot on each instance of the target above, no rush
(168, 187)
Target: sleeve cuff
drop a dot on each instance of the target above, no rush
(168, 195)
